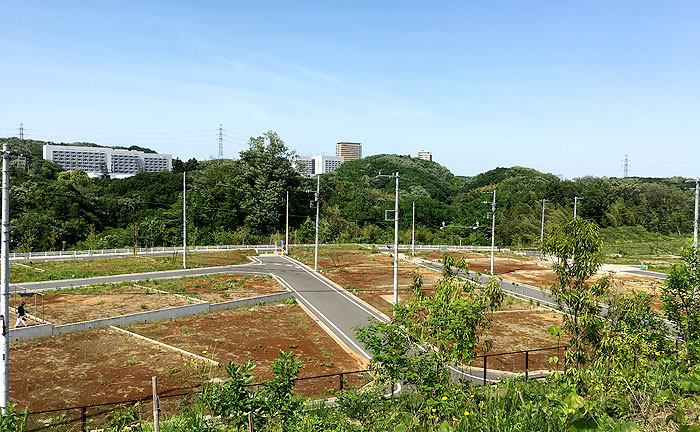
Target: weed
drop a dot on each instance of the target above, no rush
(134, 359)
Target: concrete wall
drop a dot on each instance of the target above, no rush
(249, 301)
(43, 330)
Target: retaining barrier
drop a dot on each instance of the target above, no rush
(31, 332)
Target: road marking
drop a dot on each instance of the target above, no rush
(344, 294)
(291, 288)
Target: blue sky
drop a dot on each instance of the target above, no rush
(567, 87)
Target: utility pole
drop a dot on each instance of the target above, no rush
(184, 220)
(493, 227)
(576, 198)
(695, 222)
(286, 235)
(221, 142)
(21, 131)
(542, 229)
(396, 242)
(413, 231)
(317, 200)
(4, 275)
(133, 219)
(625, 171)
(396, 234)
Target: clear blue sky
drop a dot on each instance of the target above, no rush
(567, 87)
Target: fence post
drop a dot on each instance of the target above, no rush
(83, 418)
(341, 381)
(156, 405)
(485, 368)
(250, 422)
(527, 364)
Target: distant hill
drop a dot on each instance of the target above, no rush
(34, 147)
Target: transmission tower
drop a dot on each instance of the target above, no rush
(221, 142)
(625, 170)
(21, 131)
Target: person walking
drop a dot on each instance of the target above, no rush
(21, 317)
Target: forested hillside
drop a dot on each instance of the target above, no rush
(243, 200)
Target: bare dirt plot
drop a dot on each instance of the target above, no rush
(91, 367)
(218, 288)
(256, 333)
(53, 270)
(370, 277)
(367, 275)
(103, 301)
(107, 301)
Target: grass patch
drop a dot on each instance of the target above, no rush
(72, 269)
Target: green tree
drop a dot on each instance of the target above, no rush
(681, 301)
(451, 323)
(575, 247)
(78, 176)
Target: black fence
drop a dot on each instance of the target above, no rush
(535, 363)
(96, 416)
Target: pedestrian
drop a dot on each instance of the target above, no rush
(21, 317)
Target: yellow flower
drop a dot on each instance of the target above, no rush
(444, 398)
(185, 364)
(455, 419)
(471, 396)
(597, 388)
(466, 413)
(656, 353)
(433, 410)
(204, 352)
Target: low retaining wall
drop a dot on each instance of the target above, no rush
(31, 332)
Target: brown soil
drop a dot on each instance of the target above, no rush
(82, 305)
(219, 288)
(256, 333)
(369, 276)
(102, 366)
(90, 367)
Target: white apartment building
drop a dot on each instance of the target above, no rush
(309, 166)
(106, 162)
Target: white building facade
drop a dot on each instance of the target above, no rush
(106, 162)
(309, 166)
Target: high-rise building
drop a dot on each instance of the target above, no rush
(309, 166)
(425, 155)
(348, 150)
(106, 162)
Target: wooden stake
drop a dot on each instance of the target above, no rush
(156, 405)
(250, 422)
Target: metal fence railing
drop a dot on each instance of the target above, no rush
(530, 364)
(97, 416)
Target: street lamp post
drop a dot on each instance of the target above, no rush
(542, 229)
(286, 224)
(133, 221)
(396, 235)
